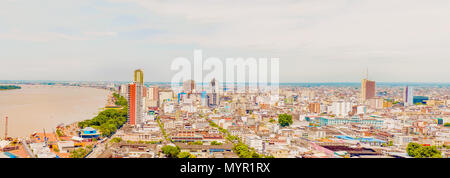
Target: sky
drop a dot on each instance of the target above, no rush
(315, 40)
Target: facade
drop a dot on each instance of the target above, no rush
(153, 93)
(336, 121)
(189, 86)
(213, 98)
(136, 99)
(132, 104)
(341, 108)
(152, 99)
(375, 103)
(123, 90)
(89, 132)
(367, 89)
(408, 96)
(314, 108)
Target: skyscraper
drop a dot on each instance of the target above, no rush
(152, 98)
(367, 89)
(214, 97)
(136, 99)
(123, 90)
(153, 93)
(132, 104)
(189, 86)
(408, 96)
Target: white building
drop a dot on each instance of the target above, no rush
(254, 141)
(341, 108)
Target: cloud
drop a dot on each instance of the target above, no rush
(305, 24)
(38, 36)
(101, 34)
(340, 38)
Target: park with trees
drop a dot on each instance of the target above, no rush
(109, 120)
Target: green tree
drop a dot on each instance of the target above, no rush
(216, 143)
(78, 153)
(107, 121)
(186, 155)
(171, 151)
(115, 140)
(59, 133)
(285, 120)
(418, 151)
(243, 151)
(391, 143)
(196, 143)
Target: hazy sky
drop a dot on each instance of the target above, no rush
(316, 40)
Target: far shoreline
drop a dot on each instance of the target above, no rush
(9, 87)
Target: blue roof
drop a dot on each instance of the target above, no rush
(10, 155)
(368, 139)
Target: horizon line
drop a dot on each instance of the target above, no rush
(122, 81)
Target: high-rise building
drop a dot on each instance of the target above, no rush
(341, 108)
(153, 93)
(189, 86)
(367, 89)
(408, 96)
(136, 99)
(132, 104)
(214, 96)
(314, 108)
(204, 98)
(375, 103)
(152, 99)
(123, 90)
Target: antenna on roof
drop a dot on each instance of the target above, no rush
(367, 73)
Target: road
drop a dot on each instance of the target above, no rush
(27, 148)
(98, 150)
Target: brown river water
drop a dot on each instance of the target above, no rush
(37, 107)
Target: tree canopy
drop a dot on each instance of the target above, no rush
(107, 121)
(116, 140)
(285, 120)
(120, 100)
(171, 151)
(79, 153)
(186, 155)
(244, 152)
(216, 143)
(418, 151)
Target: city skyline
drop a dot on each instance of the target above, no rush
(327, 41)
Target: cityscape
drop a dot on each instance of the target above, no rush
(212, 80)
(142, 120)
